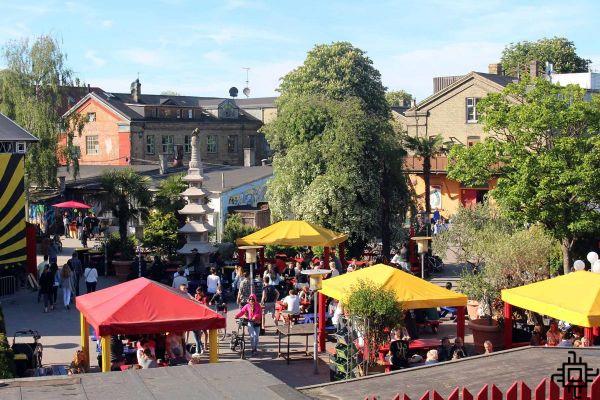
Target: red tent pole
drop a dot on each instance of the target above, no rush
(342, 251)
(322, 301)
(589, 333)
(507, 326)
(460, 322)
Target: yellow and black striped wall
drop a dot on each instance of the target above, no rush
(12, 209)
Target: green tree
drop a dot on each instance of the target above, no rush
(335, 148)
(30, 94)
(168, 196)
(235, 229)
(544, 148)
(426, 147)
(126, 194)
(398, 98)
(160, 232)
(560, 51)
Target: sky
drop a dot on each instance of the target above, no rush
(201, 47)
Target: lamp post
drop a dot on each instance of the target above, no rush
(316, 283)
(422, 248)
(251, 258)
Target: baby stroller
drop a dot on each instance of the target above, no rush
(28, 355)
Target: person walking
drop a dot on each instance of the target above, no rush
(91, 278)
(55, 284)
(66, 223)
(52, 252)
(213, 281)
(66, 284)
(46, 282)
(253, 312)
(244, 289)
(77, 270)
(40, 268)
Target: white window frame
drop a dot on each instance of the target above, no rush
(471, 106)
(190, 113)
(91, 117)
(150, 144)
(212, 144)
(89, 149)
(167, 143)
(20, 147)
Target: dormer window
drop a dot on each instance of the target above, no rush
(228, 110)
(91, 116)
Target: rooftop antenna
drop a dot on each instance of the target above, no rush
(246, 90)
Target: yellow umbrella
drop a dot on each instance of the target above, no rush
(574, 298)
(411, 291)
(293, 233)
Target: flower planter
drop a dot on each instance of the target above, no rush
(484, 330)
(472, 307)
(122, 269)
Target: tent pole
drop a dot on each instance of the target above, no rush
(460, 322)
(342, 254)
(85, 338)
(507, 326)
(105, 343)
(321, 319)
(214, 346)
(589, 333)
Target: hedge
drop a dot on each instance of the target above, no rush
(7, 363)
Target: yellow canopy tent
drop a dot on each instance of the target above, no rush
(574, 298)
(411, 291)
(293, 233)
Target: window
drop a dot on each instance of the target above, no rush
(211, 143)
(471, 140)
(6, 147)
(187, 144)
(251, 141)
(472, 109)
(92, 146)
(232, 141)
(91, 116)
(156, 113)
(150, 144)
(167, 144)
(21, 147)
(190, 114)
(179, 113)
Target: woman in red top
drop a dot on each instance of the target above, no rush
(253, 312)
(201, 296)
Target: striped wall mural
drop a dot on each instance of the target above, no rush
(12, 209)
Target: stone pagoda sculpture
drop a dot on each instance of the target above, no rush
(197, 227)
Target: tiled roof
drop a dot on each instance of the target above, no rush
(10, 131)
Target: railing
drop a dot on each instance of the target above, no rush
(8, 285)
(547, 389)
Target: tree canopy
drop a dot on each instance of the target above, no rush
(398, 98)
(544, 149)
(560, 51)
(30, 94)
(337, 161)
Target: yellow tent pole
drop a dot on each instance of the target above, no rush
(105, 343)
(214, 346)
(85, 338)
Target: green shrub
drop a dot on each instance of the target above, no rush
(126, 249)
(235, 229)
(7, 364)
(160, 233)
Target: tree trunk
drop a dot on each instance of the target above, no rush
(565, 246)
(426, 178)
(385, 214)
(123, 219)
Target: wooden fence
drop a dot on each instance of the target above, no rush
(547, 389)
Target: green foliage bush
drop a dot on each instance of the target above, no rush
(125, 249)
(235, 229)
(7, 366)
(160, 233)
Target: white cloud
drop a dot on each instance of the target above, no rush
(107, 23)
(238, 34)
(215, 56)
(93, 57)
(150, 58)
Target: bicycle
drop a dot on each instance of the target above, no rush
(239, 339)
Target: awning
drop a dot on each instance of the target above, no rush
(293, 233)
(142, 306)
(574, 298)
(411, 291)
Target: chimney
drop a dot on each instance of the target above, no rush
(89, 88)
(535, 69)
(136, 90)
(495, 69)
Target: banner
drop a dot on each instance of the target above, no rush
(12, 209)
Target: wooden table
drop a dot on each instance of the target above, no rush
(288, 331)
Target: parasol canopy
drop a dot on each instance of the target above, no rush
(71, 204)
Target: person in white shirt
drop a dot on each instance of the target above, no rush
(397, 259)
(333, 269)
(91, 278)
(186, 272)
(179, 279)
(292, 301)
(213, 281)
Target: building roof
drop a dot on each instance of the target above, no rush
(216, 178)
(528, 364)
(256, 102)
(223, 380)
(10, 131)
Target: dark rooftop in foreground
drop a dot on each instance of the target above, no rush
(530, 364)
(225, 380)
(10, 131)
(233, 176)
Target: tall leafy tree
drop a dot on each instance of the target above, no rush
(425, 147)
(544, 148)
(337, 161)
(30, 94)
(398, 98)
(560, 51)
(126, 194)
(168, 196)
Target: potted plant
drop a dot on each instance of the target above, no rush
(120, 255)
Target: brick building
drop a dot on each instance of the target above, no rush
(452, 112)
(136, 128)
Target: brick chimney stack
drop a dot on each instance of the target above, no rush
(495, 69)
(136, 90)
(535, 69)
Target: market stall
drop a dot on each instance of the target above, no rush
(142, 306)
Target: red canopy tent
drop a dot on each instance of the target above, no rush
(142, 306)
(71, 204)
